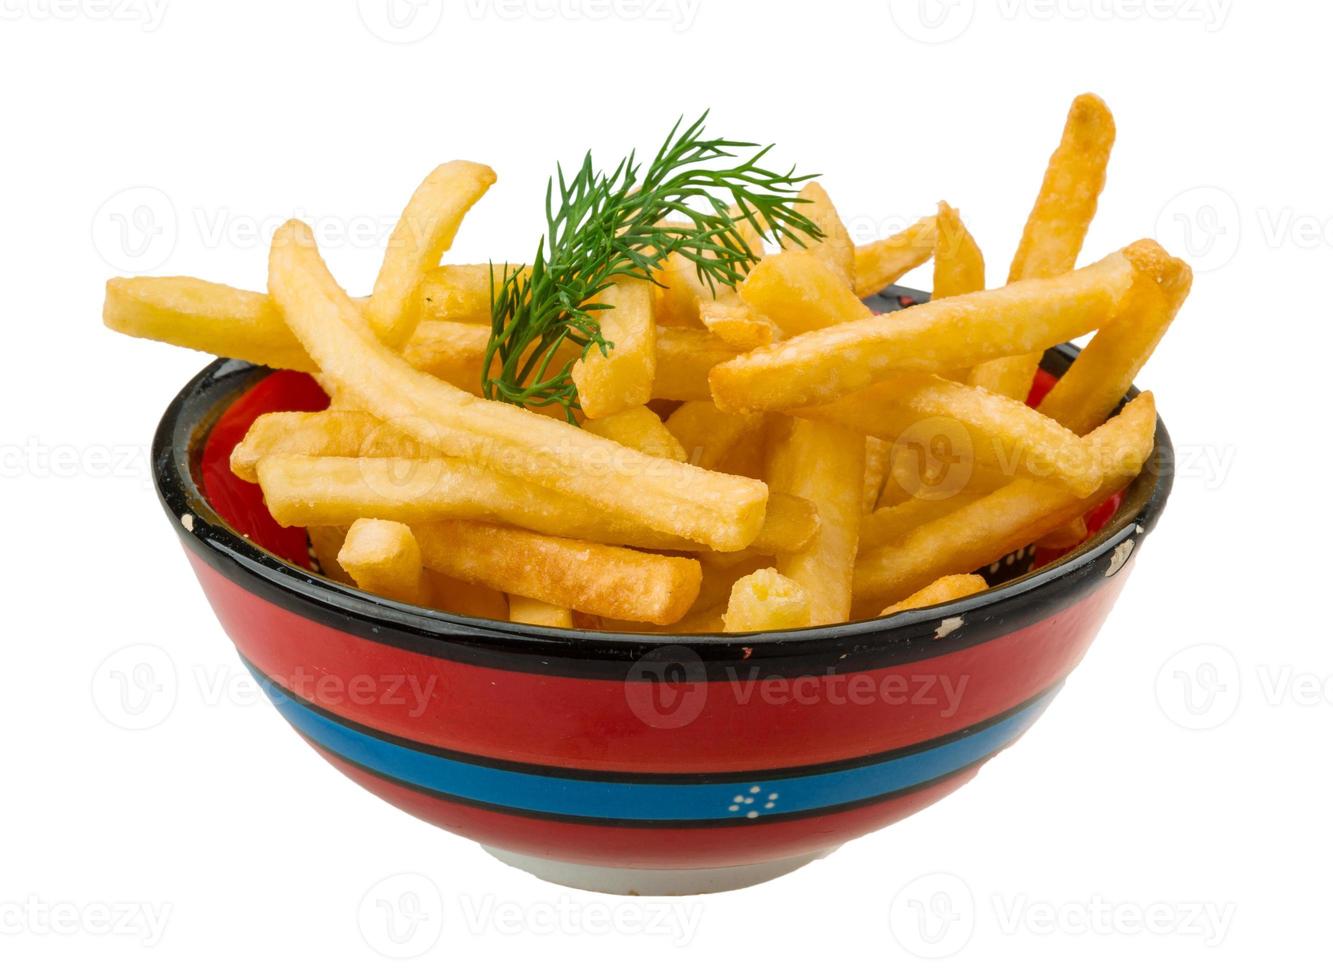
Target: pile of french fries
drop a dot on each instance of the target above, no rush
(769, 456)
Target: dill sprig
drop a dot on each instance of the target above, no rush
(602, 227)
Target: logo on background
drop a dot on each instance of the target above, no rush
(135, 687)
(134, 231)
(1202, 226)
(667, 687)
(400, 21)
(932, 21)
(401, 916)
(933, 916)
(1198, 687)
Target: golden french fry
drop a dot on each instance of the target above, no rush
(877, 468)
(1057, 224)
(1066, 536)
(424, 232)
(204, 316)
(1012, 517)
(462, 293)
(800, 292)
(223, 320)
(880, 264)
(766, 600)
(965, 423)
(453, 351)
(719, 510)
(622, 377)
(1099, 377)
(593, 578)
(383, 557)
(707, 434)
(959, 266)
(639, 428)
(452, 595)
(944, 589)
(824, 464)
(684, 358)
(835, 248)
(310, 491)
(823, 365)
(888, 524)
(718, 578)
(328, 433)
(695, 621)
(736, 325)
(325, 543)
(534, 612)
(790, 524)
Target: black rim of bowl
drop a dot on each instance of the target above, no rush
(1001, 609)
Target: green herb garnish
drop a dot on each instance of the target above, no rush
(609, 226)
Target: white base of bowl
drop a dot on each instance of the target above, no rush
(652, 881)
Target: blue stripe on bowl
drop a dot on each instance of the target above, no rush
(602, 799)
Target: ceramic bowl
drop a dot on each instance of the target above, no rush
(632, 763)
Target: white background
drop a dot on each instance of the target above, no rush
(228, 849)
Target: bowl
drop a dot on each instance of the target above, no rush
(632, 763)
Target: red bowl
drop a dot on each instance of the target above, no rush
(629, 762)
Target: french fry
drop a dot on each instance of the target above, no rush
(889, 524)
(383, 557)
(835, 248)
(593, 578)
(736, 325)
(959, 266)
(622, 377)
(328, 433)
(462, 293)
(1012, 517)
(225, 321)
(325, 543)
(453, 351)
(1057, 224)
(425, 230)
(534, 612)
(719, 510)
(988, 429)
(452, 595)
(715, 585)
(203, 316)
(880, 264)
(824, 464)
(766, 600)
(1099, 377)
(877, 467)
(707, 434)
(641, 429)
(944, 589)
(1031, 315)
(309, 491)
(800, 292)
(1066, 536)
(684, 358)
